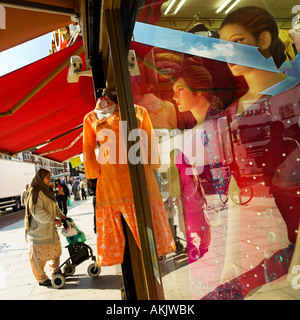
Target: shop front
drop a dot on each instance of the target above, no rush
(193, 145)
(201, 112)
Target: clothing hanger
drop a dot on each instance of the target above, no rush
(202, 30)
(196, 17)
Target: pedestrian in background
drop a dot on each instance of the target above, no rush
(24, 195)
(62, 194)
(82, 188)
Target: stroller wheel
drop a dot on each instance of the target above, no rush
(93, 270)
(69, 270)
(58, 281)
(162, 259)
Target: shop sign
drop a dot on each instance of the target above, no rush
(75, 162)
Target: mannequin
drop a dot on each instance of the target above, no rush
(161, 112)
(194, 200)
(252, 26)
(295, 34)
(193, 91)
(113, 194)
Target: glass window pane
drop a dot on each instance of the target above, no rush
(221, 87)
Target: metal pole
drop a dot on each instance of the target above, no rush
(137, 173)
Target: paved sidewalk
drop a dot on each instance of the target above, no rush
(16, 278)
(18, 283)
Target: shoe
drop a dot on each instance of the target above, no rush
(46, 283)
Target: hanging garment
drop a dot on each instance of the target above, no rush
(195, 214)
(286, 38)
(114, 194)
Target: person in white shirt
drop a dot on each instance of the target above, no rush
(24, 195)
(82, 188)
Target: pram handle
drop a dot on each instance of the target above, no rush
(64, 222)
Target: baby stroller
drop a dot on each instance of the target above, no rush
(79, 252)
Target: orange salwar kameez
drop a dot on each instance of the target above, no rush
(114, 194)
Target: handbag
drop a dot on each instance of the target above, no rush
(70, 203)
(287, 174)
(72, 232)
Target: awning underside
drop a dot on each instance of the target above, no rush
(55, 109)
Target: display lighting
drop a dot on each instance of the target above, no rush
(232, 6)
(180, 4)
(223, 5)
(169, 7)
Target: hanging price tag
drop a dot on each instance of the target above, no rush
(102, 103)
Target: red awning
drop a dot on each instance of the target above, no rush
(25, 22)
(63, 148)
(54, 110)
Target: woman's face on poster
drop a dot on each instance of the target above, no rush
(237, 33)
(183, 96)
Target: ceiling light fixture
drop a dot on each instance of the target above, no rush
(180, 4)
(223, 5)
(232, 6)
(169, 7)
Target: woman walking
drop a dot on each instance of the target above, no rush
(41, 216)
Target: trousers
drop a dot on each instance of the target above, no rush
(38, 268)
(39, 255)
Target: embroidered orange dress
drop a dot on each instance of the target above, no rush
(114, 194)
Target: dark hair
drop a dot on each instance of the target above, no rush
(196, 76)
(58, 181)
(43, 172)
(257, 20)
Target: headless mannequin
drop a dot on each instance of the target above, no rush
(152, 102)
(104, 109)
(295, 34)
(162, 112)
(114, 202)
